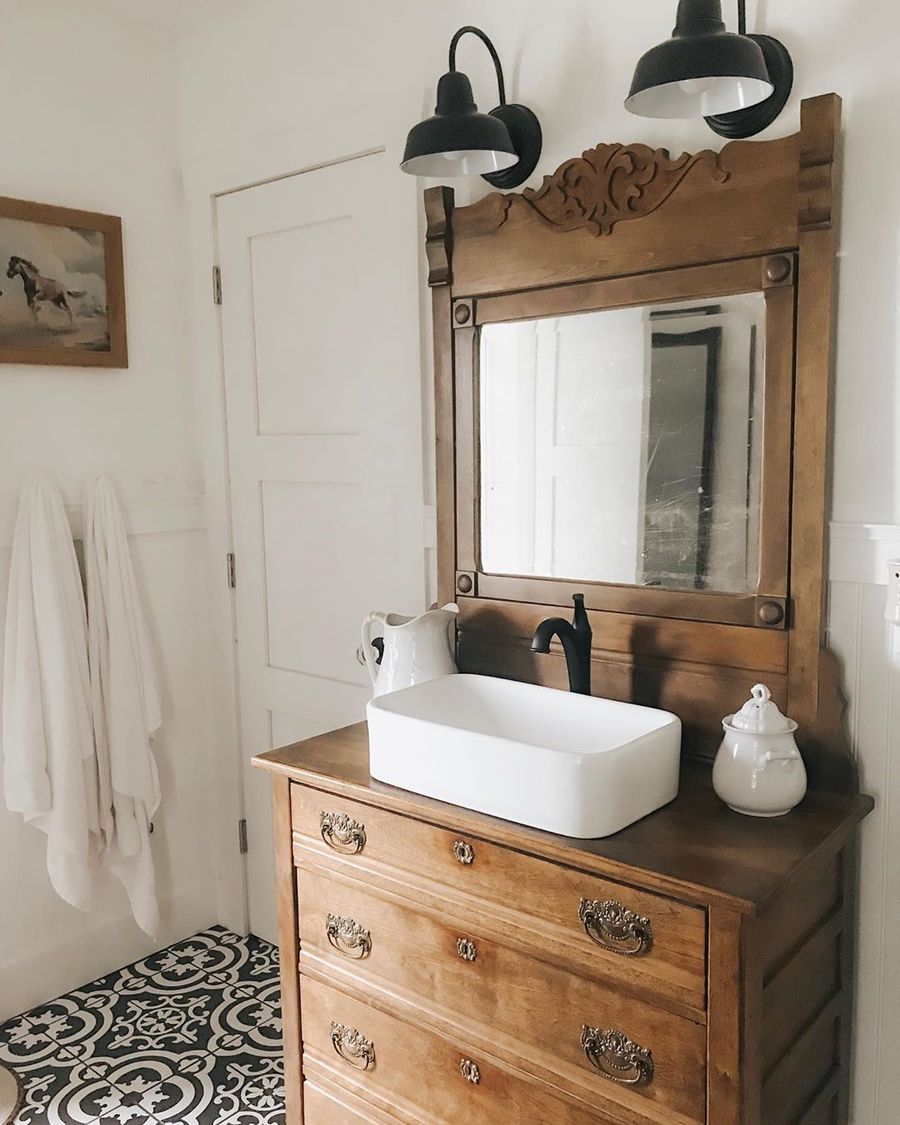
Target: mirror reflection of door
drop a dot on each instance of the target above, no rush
(624, 445)
(678, 475)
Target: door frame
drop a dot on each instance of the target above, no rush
(266, 159)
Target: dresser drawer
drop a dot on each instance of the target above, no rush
(414, 1076)
(330, 1105)
(605, 928)
(502, 999)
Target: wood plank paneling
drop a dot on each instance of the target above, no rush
(794, 917)
(803, 1070)
(869, 649)
(803, 988)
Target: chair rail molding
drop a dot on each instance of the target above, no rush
(860, 551)
(147, 516)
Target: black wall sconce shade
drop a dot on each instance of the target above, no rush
(502, 146)
(739, 83)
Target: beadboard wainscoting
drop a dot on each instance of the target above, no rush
(48, 947)
(870, 651)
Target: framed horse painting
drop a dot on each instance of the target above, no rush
(62, 300)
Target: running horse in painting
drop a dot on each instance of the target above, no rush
(39, 288)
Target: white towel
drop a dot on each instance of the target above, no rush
(125, 702)
(49, 768)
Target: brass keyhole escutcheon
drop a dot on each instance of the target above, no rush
(470, 1071)
(466, 949)
(464, 853)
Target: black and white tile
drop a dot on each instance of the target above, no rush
(189, 1036)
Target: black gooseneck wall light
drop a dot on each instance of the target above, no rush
(738, 82)
(503, 146)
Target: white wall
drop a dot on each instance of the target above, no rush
(88, 120)
(275, 65)
(279, 65)
(870, 651)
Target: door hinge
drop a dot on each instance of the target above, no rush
(217, 285)
(242, 836)
(232, 578)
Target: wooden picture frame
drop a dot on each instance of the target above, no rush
(62, 293)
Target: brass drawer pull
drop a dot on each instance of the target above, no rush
(352, 1046)
(469, 1071)
(342, 833)
(465, 853)
(348, 936)
(616, 1057)
(612, 927)
(466, 949)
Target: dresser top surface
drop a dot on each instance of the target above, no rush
(695, 847)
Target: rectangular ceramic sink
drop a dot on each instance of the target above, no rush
(570, 764)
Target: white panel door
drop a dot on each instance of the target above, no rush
(323, 403)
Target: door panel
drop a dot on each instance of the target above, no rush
(321, 353)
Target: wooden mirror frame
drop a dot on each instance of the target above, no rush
(766, 608)
(624, 224)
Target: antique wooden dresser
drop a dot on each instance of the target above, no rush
(443, 966)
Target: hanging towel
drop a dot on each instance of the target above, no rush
(125, 702)
(49, 767)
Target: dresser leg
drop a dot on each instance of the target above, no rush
(289, 951)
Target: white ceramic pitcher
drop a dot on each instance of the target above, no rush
(416, 649)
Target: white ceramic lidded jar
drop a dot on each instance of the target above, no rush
(758, 770)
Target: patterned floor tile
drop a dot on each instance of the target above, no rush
(25, 1047)
(210, 952)
(109, 1024)
(243, 1024)
(248, 1090)
(252, 967)
(188, 1036)
(168, 1087)
(59, 1090)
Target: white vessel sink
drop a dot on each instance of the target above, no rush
(570, 764)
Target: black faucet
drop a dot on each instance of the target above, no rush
(576, 642)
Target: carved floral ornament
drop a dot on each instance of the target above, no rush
(613, 183)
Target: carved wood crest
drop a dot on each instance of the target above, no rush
(613, 183)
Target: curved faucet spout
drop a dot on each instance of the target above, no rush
(575, 638)
(547, 630)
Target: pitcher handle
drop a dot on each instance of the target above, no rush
(452, 608)
(375, 618)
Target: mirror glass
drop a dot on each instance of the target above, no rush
(625, 445)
